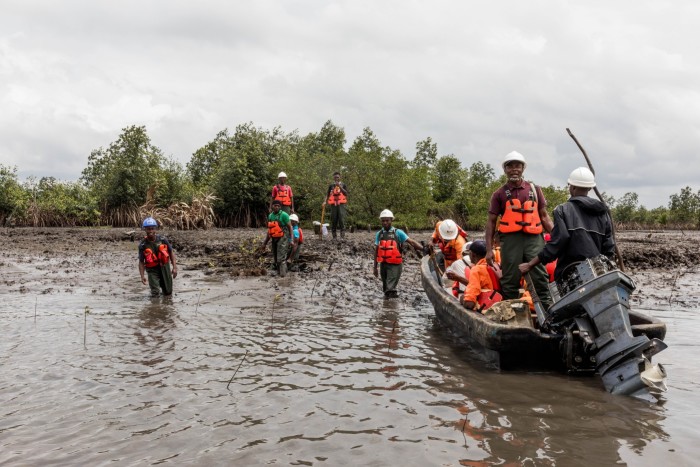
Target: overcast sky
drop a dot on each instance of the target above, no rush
(480, 78)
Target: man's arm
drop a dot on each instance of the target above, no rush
(142, 272)
(546, 221)
(490, 229)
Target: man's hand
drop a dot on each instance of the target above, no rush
(489, 257)
(143, 280)
(452, 276)
(174, 272)
(524, 268)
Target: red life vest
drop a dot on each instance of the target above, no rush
(150, 259)
(517, 216)
(449, 249)
(163, 255)
(283, 195)
(158, 257)
(274, 230)
(301, 235)
(337, 197)
(388, 250)
(488, 297)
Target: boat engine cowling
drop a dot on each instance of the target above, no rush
(595, 303)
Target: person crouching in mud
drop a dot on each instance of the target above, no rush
(155, 257)
(387, 252)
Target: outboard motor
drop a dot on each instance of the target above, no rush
(592, 315)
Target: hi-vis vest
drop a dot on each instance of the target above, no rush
(274, 230)
(283, 195)
(525, 217)
(388, 250)
(301, 235)
(159, 257)
(337, 197)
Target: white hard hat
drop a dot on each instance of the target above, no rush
(294, 217)
(582, 177)
(465, 248)
(282, 174)
(386, 213)
(514, 156)
(448, 229)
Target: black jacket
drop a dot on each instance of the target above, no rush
(582, 230)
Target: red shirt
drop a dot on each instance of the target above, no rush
(522, 192)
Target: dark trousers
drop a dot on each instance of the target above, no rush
(160, 278)
(390, 274)
(516, 248)
(338, 215)
(279, 249)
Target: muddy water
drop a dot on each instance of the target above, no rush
(253, 371)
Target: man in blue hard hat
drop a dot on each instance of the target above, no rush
(155, 257)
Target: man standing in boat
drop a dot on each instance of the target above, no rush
(582, 228)
(522, 209)
(387, 253)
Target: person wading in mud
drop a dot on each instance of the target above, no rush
(582, 228)
(155, 257)
(387, 253)
(524, 217)
(337, 197)
(297, 242)
(279, 230)
(283, 193)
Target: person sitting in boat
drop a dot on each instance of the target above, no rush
(458, 272)
(451, 239)
(483, 287)
(552, 265)
(387, 253)
(582, 228)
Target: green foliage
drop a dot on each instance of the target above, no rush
(12, 197)
(230, 179)
(449, 177)
(684, 207)
(241, 177)
(122, 174)
(51, 203)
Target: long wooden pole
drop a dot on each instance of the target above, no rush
(618, 253)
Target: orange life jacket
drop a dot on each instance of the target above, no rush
(488, 297)
(301, 235)
(149, 258)
(155, 258)
(283, 195)
(449, 250)
(274, 230)
(517, 216)
(388, 250)
(337, 197)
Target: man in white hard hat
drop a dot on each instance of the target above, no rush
(523, 218)
(337, 197)
(582, 227)
(451, 238)
(387, 253)
(283, 193)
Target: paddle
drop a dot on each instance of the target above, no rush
(618, 254)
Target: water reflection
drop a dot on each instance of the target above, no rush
(539, 419)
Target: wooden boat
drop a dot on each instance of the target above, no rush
(514, 344)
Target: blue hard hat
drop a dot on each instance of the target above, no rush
(149, 222)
